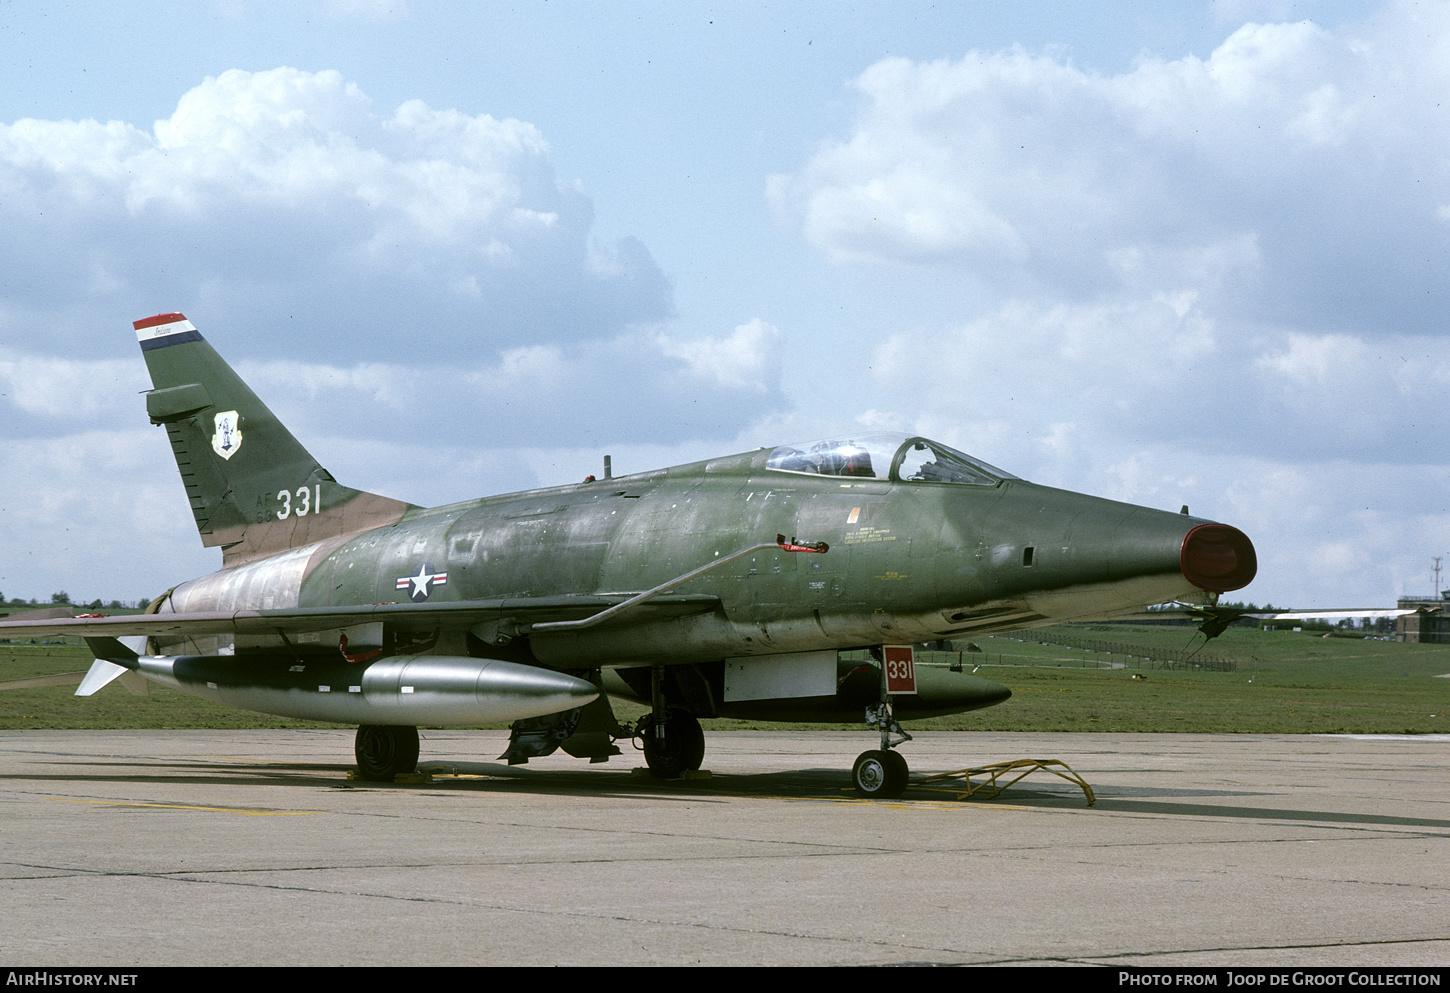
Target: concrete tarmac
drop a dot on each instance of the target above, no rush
(252, 848)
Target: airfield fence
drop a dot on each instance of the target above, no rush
(1134, 655)
(1130, 655)
(1165, 658)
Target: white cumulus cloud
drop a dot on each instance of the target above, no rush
(1279, 175)
(748, 358)
(285, 199)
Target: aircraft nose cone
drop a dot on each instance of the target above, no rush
(1218, 558)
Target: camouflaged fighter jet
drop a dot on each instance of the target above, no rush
(676, 587)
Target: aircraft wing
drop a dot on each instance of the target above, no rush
(1214, 620)
(1311, 615)
(300, 620)
(1189, 613)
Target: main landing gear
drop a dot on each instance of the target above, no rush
(385, 751)
(673, 746)
(671, 738)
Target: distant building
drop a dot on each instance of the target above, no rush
(1430, 628)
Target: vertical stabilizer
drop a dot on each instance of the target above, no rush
(254, 490)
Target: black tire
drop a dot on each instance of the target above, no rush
(900, 773)
(879, 775)
(385, 751)
(683, 749)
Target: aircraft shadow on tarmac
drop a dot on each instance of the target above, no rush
(796, 784)
(1277, 814)
(488, 777)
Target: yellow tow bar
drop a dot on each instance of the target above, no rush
(992, 777)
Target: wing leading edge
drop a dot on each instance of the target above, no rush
(408, 616)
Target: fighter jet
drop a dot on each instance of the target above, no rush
(787, 582)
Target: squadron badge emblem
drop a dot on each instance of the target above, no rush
(228, 437)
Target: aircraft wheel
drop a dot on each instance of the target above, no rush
(900, 771)
(683, 748)
(384, 751)
(880, 775)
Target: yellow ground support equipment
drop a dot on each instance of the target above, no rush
(1000, 776)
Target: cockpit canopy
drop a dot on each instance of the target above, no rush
(896, 457)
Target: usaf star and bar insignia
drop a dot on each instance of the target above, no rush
(420, 585)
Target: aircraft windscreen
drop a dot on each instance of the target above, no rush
(869, 457)
(886, 457)
(926, 461)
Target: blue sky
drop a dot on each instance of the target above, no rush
(1167, 253)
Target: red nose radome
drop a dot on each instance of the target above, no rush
(1218, 558)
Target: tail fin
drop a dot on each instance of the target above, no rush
(254, 489)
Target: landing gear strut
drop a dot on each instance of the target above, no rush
(385, 751)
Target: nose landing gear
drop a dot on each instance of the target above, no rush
(882, 774)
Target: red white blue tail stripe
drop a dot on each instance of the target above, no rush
(163, 330)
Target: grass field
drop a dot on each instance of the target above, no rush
(1282, 682)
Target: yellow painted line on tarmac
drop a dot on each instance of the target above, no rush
(924, 804)
(184, 806)
(250, 760)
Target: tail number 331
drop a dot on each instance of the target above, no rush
(309, 501)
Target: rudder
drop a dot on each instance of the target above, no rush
(254, 490)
